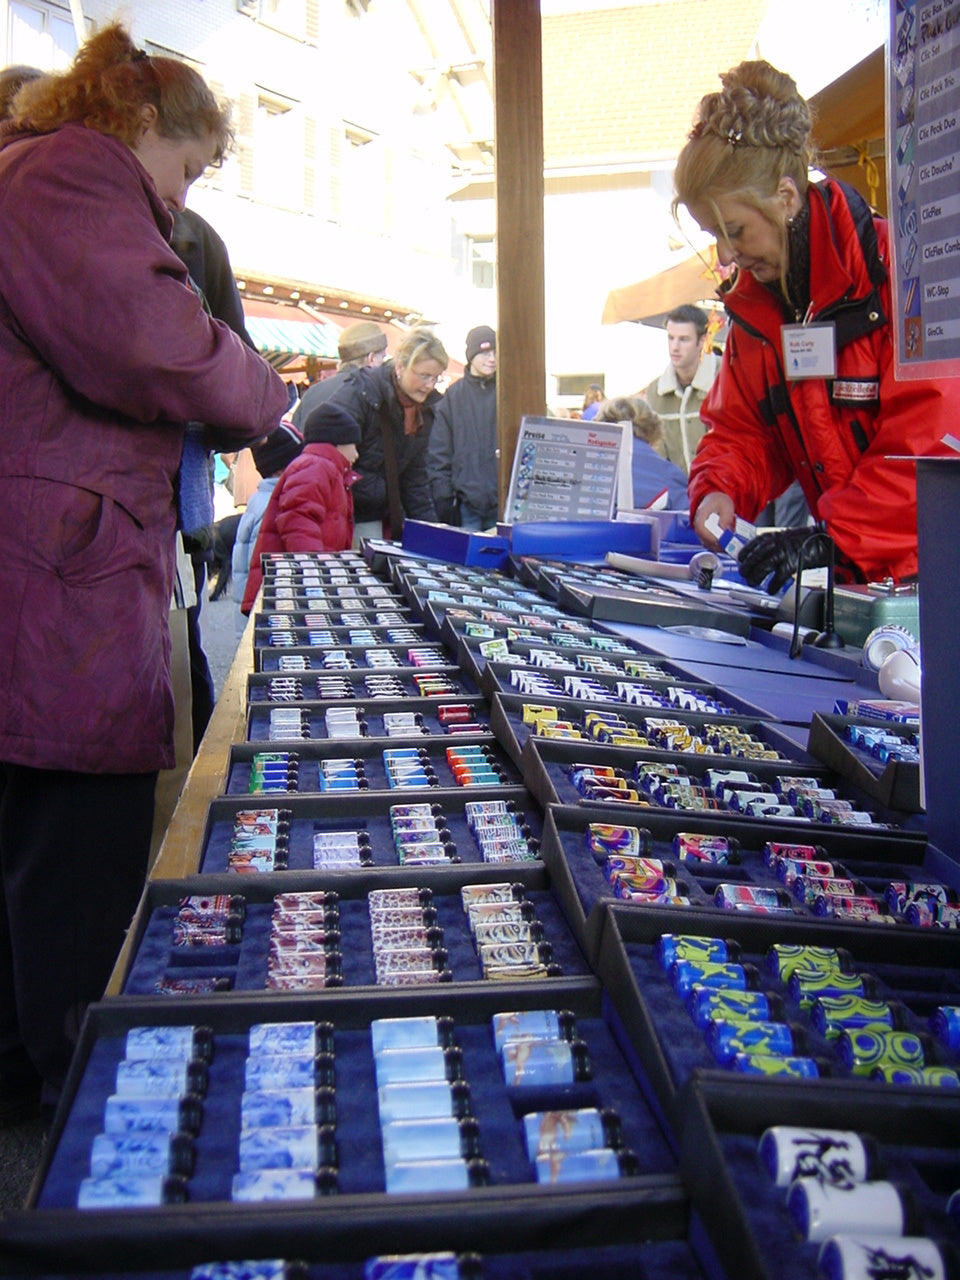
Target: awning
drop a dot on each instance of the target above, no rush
(693, 279)
(282, 341)
(849, 128)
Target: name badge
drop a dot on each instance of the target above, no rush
(809, 350)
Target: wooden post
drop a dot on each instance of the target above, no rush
(518, 113)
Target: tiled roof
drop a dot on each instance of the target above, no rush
(620, 85)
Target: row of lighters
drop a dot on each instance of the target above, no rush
(809, 876)
(744, 1027)
(261, 838)
(305, 950)
(287, 1146)
(668, 786)
(420, 656)
(351, 722)
(471, 766)
(356, 637)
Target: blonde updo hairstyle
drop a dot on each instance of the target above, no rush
(745, 139)
(108, 83)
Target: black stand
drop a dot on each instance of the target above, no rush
(829, 638)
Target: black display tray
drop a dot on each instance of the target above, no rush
(912, 966)
(543, 760)
(521, 654)
(358, 810)
(267, 657)
(583, 891)
(544, 763)
(667, 1259)
(495, 677)
(303, 601)
(244, 963)
(895, 783)
(332, 614)
(341, 633)
(506, 713)
(373, 710)
(258, 685)
(512, 1213)
(453, 597)
(744, 1213)
(541, 634)
(650, 607)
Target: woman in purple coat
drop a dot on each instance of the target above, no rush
(105, 353)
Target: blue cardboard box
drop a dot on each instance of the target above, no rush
(581, 540)
(456, 546)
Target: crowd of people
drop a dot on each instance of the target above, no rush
(125, 365)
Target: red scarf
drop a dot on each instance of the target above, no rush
(412, 412)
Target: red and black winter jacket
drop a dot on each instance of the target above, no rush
(839, 437)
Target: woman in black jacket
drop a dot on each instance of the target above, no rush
(394, 406)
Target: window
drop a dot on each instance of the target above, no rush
(40, 36)
(364, 202)
(286, 16)
(279, 152)
(483, 267)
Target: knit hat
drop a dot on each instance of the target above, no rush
(281, 446)
(330, 423)
(482, 338)
(360, 339)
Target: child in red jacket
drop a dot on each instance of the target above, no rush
(311, 508)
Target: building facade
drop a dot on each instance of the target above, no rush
(362, 182)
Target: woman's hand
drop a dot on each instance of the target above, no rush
(715, 504)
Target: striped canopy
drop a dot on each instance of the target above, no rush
(280, 341)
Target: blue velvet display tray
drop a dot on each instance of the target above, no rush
(506, 719)
(744, 1213)
(497, 677)
(513, 1213)
(359, 811)
(258, 684)
(583, 890)
(646, 1259)
(455, 619)
(343, 633)
(372, 752)
(919, 968)
(545, 762)
(359, 656)
(372, 710)
(304, 598)
(893, 782)
(244, 964)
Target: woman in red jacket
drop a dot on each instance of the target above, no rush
(806, 254)
(311, 509)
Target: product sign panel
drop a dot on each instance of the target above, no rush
(923, 113)
(567, 470)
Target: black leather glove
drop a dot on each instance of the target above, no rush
(777, 553)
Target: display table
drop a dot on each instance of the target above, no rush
(517, 814)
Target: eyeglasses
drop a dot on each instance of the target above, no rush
(426, 379)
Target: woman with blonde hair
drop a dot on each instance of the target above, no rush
(394, 406)
(811, 259)
(106, 353)
(655, 478)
